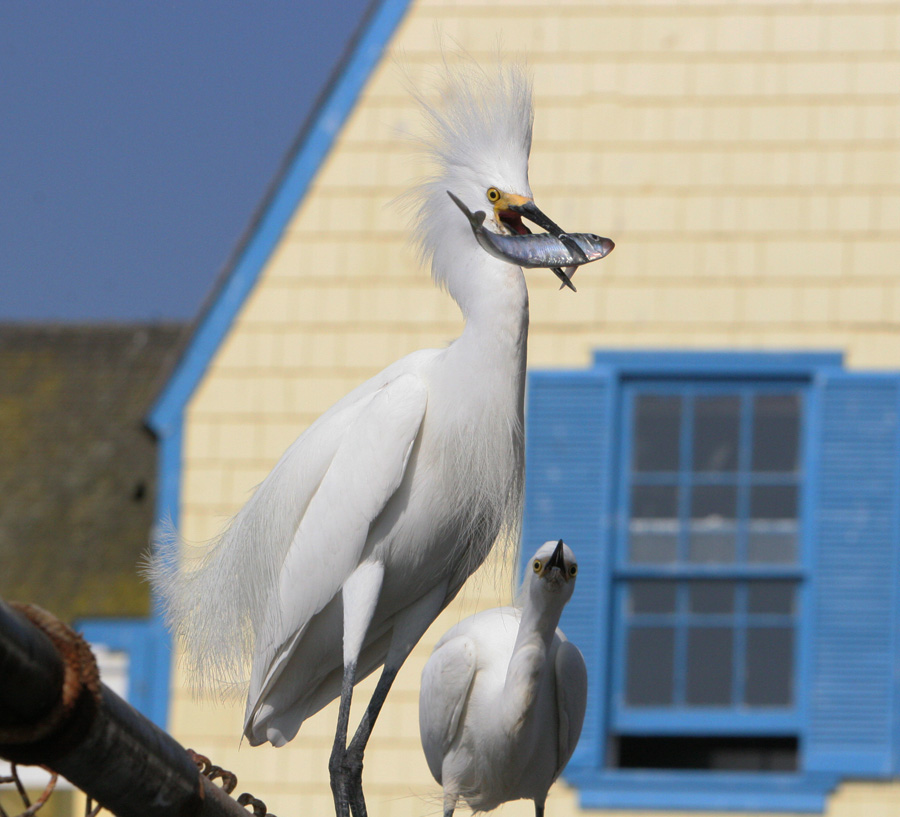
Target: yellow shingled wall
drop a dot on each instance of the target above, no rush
(743, 156)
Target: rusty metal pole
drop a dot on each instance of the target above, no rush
(55, 712)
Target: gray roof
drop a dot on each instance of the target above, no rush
(77, 464)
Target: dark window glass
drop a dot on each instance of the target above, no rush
(716, 433)
(776, 432)
(773, 598)
(653, 530)
(773, 502)
(652, 597)
(736, 754)
(711, 597)
(709, 666)
(657, 426)
(713, 532)
(770, 666)
(649, 666)
(773, 524)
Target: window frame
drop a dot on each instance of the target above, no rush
(724, 720)
(586, 508)
(146, 643)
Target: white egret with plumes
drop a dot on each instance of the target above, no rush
(372, 520)
(504, 694)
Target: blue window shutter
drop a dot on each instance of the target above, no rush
(569, 431)
(856, 529)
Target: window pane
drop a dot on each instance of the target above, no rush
(651, 658)
(773, 524)
(772, 546)
(776, 432)
(712, 535)
(770, 666)
(773, 502)
(657, 425)
(774, 598)
(711, 597)
(709, 662)
(651, 597)
(653, 529)
(716, 431)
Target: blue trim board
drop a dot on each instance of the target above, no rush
(695, 791)
(166, 416)
(146, 642)
(317, 141)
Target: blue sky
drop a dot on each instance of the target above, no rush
(137, 139)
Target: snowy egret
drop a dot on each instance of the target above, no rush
(503, 695)
(376, 515)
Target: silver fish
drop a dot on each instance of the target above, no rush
(539, 249)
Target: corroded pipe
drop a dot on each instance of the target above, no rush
(55, 712)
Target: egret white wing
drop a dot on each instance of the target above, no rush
(446, 681)
(571, 699)
(367, 468)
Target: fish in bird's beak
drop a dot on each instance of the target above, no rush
(509, 209)
(556, 560)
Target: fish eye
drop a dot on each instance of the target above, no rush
(536, 565)
(594, 237)
(573, 569)
(493, 194)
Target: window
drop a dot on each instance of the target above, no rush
(737, 522)
(708, 575)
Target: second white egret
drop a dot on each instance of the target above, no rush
(504, 694)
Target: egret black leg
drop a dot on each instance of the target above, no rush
(337, 764)
(357, 748)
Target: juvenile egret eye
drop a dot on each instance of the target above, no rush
(537, 565)
(493, 194)
(573, 569)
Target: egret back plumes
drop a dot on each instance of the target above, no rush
(221, 602)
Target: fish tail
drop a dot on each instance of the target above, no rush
(475, 219)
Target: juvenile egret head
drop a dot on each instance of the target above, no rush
(504, 694)
(554, 570)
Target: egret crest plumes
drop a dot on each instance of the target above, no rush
(477, 135)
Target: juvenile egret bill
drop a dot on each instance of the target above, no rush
(503, 695)
(372, 520)
(541, 250)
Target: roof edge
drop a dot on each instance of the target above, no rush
(288, 189)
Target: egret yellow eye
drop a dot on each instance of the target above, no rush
(493, 194)
(573, 569)
(537, 565)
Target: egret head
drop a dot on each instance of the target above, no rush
(478, 141)
(552, 572)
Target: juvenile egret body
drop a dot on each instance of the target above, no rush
(376, 515)
(503, 695)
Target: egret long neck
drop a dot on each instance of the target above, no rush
(536, 629)
(494, 301)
